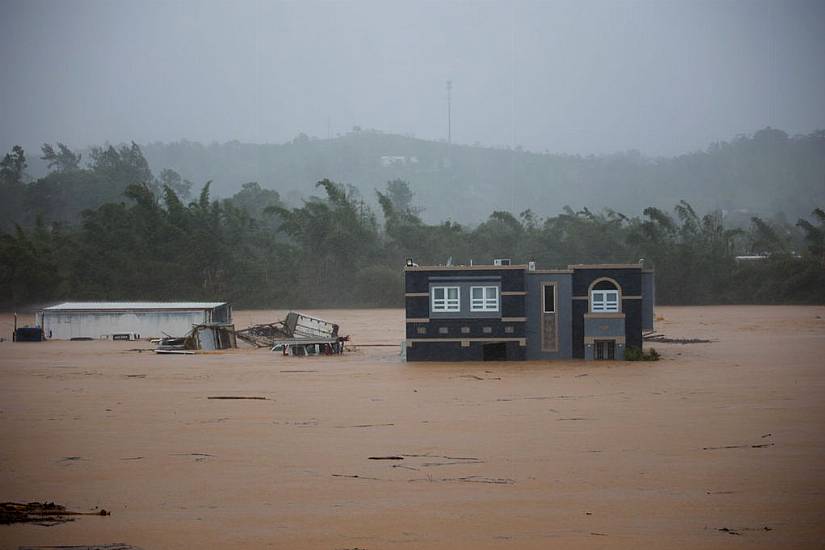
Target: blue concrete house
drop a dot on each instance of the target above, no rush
(516, 312)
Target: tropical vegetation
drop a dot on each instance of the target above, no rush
(112, 230)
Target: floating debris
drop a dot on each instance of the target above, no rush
(113, 546)
(666, 340)
(40, 513)
(297, 335)
(237, 397)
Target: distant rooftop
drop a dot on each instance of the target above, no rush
(91, 306)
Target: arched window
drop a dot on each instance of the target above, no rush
(605, 296)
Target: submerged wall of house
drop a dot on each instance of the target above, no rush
(549, 334)
(604, 327)
(65, 325)
(456, 351)
(648, 299)
(463, 335)
(525, 327)
(629, 280)
(632, 309)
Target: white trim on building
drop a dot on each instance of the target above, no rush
(484, 298)
(446, 299)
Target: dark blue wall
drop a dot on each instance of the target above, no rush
(418, 307)
(419, 281)
(476, 327)
(633, 322)
(630, 280)
(452, 351)
(512, 280)
(648, 299)
(579, 309)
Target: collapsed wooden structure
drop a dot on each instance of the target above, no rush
(298, 334)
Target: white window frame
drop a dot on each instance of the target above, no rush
(486, 302)
(604, 301)
(544, 298)
(445, 304)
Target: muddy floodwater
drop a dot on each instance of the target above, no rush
(719, 444)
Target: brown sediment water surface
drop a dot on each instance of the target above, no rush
(719, 444)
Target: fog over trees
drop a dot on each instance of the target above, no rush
(767, 174)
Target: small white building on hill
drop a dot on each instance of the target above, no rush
(143, 319)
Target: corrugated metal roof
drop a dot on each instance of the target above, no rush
(93, 306)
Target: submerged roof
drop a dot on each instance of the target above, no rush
(120, 306)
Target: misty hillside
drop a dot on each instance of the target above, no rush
(768, 172)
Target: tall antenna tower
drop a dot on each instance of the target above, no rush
(449, 112)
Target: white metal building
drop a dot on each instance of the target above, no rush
(144, 319)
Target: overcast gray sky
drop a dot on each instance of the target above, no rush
(571, 77)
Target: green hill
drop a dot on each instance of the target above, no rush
(768, 172)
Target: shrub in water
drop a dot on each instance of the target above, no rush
(633, 353)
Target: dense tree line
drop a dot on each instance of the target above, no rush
(114, 231)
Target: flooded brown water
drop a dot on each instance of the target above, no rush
(726, 435)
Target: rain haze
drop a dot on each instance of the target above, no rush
(662, 78)
(396, 274)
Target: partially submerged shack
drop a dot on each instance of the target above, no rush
(203, 337)
(93, 320)
(212, 336)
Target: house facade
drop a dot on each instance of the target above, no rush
(517, 312)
